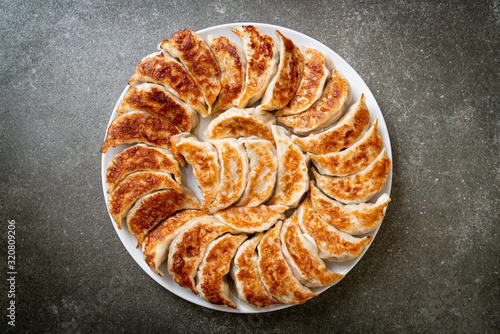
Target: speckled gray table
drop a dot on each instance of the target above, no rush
(434, 70)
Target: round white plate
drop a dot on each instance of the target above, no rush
(358, 86)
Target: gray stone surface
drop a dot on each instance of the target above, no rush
(434, 70)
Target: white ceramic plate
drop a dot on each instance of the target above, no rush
(358, 86)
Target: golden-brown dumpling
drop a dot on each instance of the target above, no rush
(302, 256)
(134, 187)
(263, 167)
(293, 174)
(275, 272)
(262, 62)
(327, 110)
(333, 244)
(161, 68)
(359, 187)
(211, 278)
(204, 159)
(285, 83)
(188, 248)
(192, 50)
(249, 219)
(153, 208)
(354, 219)
(233, 66)
(140, 127)
(246, 276)
(343, 134)
(156, 100)
(141, 158)
(316, 72)
(157, 242)
(236, 123)
(233, 175)
(353, 159)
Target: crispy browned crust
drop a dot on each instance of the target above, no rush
(242, 126)
(353, 159)
(138, 158)
(233, 72)
(191, 248)
(276, 275)
(155, 101)
(325, 238)
(140, 127)
(164, 70)
(312, 81)
(292, 173)
(335, 97)
(259, 57)
(166, 229)
(216, 265)
(245, 218)
(251, 287)
(135, 186)
(195, 54)
(310, 267)
(205, 170)
(262, 171)
(154, 209)
(346, 220)
(289, 76)
(340, 136)
(289, 183)
(234, 171)
(359, 185)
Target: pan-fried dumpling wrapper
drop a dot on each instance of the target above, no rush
(246, 276)
(275, 272)
(263, 167)
(333, 245)
(359, 187)
(343, 134)
(134, 187)
(204, 159)
(316, 72)
(141, 158)
(156, 100)
(249, 219)
(236, 123)
(233, 172)
(302, 256)
(211, 278)
(153, 208)
(161, 68)
(262, 62)
(327, 110)
(188, 248)
(157, 242)
(354, 219)
(285, 83)
(192, 50)
(233, 66)
(140, 127)
(352, 159)
(293, 175)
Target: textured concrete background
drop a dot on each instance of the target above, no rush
(434, 70)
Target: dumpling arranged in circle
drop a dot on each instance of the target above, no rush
(189, 247)
(262, 62)
(163, 69)
(211, 278)
(194, 53)
(262, 224)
